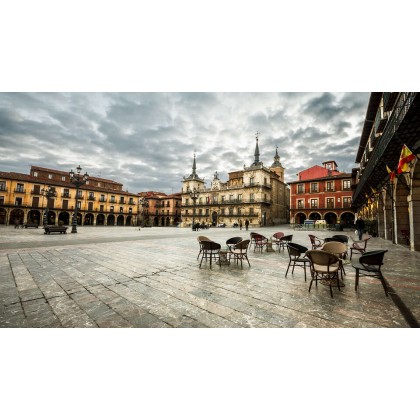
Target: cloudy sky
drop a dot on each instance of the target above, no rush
(147, 140)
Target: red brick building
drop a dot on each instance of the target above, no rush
(322, 192)
(159, 209)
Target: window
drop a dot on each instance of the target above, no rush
(63, 178)
(20, 188)
(49, 176)
(187, 201)
(90, 206)
(200, 200)
(1, 199)
(130, 210)
(314, 187)
(111, 209)
(230, 211)
(112, 198)
(207, 212)
(239, 210)
(251, 181)
(35, 201)
(346, 201)
(251, 197)
(18, 201)
(200, 212)
(101, 208)
(121, 209)
(240, 198)
(346, 184)
(314, 203)
(251, 211)
(223, 198)
(66, 192)
(35, 174)
(330, 203)
(223, 211)
(65, 204)
(300, 188)
(2, 186)
(300, 204)
(79, 205)
(231, 198)
(121, 200)
(79, 194)
(91, 196)
(102, 198)
(330, 186)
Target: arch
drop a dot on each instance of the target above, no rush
(34, 216)
(16, 216)
(415, 207)
(214, 217)
(110, 221)
(315, 216)
(64, 217)
(100, 220)
(300, 218)
(156, 221)
(402, 220)
(120, 220)
(89, 219)
(330, 218)
(347, 219)
(168, 222)
(128, 220)
(3, 216)
(162, 221)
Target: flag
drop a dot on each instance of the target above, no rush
(405, 157)
(391, 174)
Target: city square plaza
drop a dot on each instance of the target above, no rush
(150, 277)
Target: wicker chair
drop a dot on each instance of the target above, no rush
(285, 240)
(324, 267)
(200, 239)
(210, 250)
(370, 263)
(260, 241)
(239, 251)
(295, 259)
(277, 239)
(359, 246)
(316, 242)
(233, 241)
(339, 249)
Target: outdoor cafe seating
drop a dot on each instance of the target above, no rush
(239, 251)
(210, 251)
(316, 242)
(359, 246)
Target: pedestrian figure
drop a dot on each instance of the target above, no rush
(240, 224)
(360, 227)
(246, 224)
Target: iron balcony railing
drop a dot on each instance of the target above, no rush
(402, 107)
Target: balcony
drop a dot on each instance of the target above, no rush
(33, 192)
(121, 201)
(102, 200)
(66, 195)
(91, 197)
(380, 121)
(112, 200)
(389, 99)
(20, 190)
(330, 206)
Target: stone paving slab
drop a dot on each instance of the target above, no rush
(150, 278)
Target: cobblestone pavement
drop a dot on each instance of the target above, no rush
(126, 277)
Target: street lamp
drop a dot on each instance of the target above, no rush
(47, 193)
(194, 193)
(77, 180)
(144, 205)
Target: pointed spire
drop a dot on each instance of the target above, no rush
(257, 150)
(194, 168)
(276, 156)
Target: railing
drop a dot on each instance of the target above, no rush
(402, 107)
(66, 195)
(102, 200)
(20, 190)
(91, 197)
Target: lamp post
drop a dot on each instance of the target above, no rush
(77, 179)
(47, 193)
(144, 205)
(194, 193)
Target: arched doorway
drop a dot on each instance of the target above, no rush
(156, 221)
(100, 220)
(120, 220)
(64, 217)
(314, 216)
(89, 218)
(128, 220)
(402, 220)
(168, 221)
(214, 218)
(347, 219)
(34, 216)
(16, 216)
(330, 218)
(300, 218)
(110, 220)
(162, 221)
(2, 216)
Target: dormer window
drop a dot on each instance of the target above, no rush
(49, 176)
